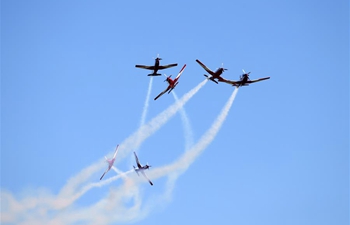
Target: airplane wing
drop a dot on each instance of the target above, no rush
(257, 80)
(204, 67)
(167, 89)
(104, 173)
(137, 161)
(221, 79)
(167, 66)
(143, 173)
(145, 67)
(115, 153)
(178, 76)
(232, 82)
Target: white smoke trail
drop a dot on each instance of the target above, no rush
(174, 170)
(188, 133)
(17, 211)
(145, 110)
(145, 107)
(101, 183)
(135, 140)
(188, 157)
(98, 213)
(188, 136)
(148, 129)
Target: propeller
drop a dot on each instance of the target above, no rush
(158, 57)
(245, 72)
(167, 78)
(222, 66)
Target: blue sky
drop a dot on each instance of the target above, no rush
(70, 93)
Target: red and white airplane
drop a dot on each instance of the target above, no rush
(213, 75)
(172, 83)
(141, 168)
(244, 80)
(156, 67)
(110, 162)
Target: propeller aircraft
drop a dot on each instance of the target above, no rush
(110, 162)
(141, 168)
(244, 80)
(156, 67)
(172, 83)
(213, 75)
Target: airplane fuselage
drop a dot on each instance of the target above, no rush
(244, 79)
(140, 169)
(156, 66)
(110, 163)
(215, 75)
(171, 82)
(145, 167)
(218, 73)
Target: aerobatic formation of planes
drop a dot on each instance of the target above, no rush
(214, 76)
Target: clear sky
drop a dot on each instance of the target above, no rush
(70, 93)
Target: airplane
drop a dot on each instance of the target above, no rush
(244, 80)
(141, 168)
(172, 83)
(110, 162)
(213, 75)
(156, 67)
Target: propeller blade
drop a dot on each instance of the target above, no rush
(167, 78)
(158, 57)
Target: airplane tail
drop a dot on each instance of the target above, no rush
(154, 74)
(211, 78)
(170, 90)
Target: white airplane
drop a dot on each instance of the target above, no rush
(110, 162)
(141, 168)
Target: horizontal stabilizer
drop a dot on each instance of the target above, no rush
(154, 74)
